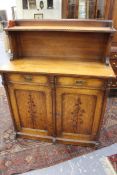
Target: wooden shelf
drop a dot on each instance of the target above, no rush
(62, 28)
(52, 66)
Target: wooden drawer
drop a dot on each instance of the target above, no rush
(27, 78)
(114, 65)
(113, 84)
(80, 82)
(113, 55)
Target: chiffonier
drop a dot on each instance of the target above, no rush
(58, 78)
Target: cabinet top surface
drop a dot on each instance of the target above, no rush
(58, 67)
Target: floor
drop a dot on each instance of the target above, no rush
(90, 164)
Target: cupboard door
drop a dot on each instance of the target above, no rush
(32, 109)
(78, 113)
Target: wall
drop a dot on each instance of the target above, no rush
(6, 5)
(3, 15)
(54, 13)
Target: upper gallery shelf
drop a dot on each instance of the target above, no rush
(64, 25)
(82, 39)
(61, 28)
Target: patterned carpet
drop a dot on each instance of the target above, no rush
(18, 156)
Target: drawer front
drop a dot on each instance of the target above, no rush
(27, 78)
(80, 82)
(113, 55)
(113, 84)
(114, 65)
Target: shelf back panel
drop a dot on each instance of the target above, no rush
(63, 45)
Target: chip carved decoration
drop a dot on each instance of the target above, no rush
(32, 108)
(77, 115)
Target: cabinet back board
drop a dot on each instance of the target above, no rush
(59, 45)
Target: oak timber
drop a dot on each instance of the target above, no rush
(57, 80)
(62, 28)
(59, 66)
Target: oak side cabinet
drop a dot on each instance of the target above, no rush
(58, 78)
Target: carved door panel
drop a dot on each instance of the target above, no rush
(78, 113)
(32, 109)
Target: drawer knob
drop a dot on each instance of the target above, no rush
(80, 82)
(28, 78)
